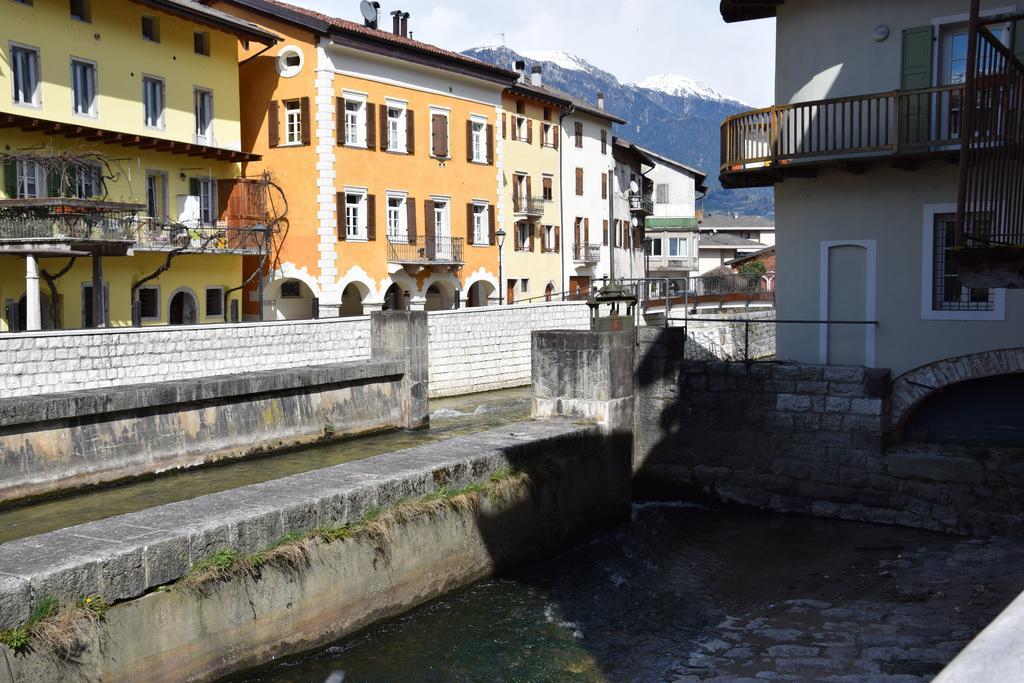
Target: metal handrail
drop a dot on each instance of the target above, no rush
(533, 206)
(427, 249)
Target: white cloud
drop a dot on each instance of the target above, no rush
(633, 39)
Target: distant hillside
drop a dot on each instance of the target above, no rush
(670, 114)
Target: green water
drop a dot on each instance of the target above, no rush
(449, 417)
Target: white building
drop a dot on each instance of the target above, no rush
(672, 230)
(724, 237)
(868, 213)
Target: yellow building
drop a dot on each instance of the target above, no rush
(531, 128)
(121, 147)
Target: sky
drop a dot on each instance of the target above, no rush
(632, 39)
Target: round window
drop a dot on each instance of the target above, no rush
(289, 61)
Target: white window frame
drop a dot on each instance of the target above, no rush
(206, 138)
(549, 238)
(523, 238)
(479, 137)
(354, 122)
(655, 247)
(674, 242)
(998, 312)
(207, 199)
(293, 123)
(150, 319)
(93, 78)
(481, 223)
(281, 63)
(357, 233)
(398, 231)
(397, 139)
(442, 216)
(162, 90)
(81, 180)
(35, 72)
(25, 169)
(447, 114)
(206, 311)
(162, 195)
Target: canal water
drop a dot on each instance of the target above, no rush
(450, 417)
(684, 593)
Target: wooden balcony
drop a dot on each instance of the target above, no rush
(763, 146)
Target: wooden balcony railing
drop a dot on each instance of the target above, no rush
(889, 124)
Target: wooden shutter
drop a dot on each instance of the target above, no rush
(548, 189)
(384, 132)
(604, 186)
(576, 229)
(558, 238)
(529, 132)
(490, 226)
(273, 124)
(514, 125)
(410, 132)
(339, 117)
(515, 192)
(469, 223)
(604, 142)
(532, 228)
(916, 72)
(428, 218)
(307, 121)
(518, 244)
(604, 232)
(469, 141)
(339, 199)
(504, 126)
(586, 231)
(529, 189)
(555, 129)
(371, 125)
(579, 134)
(543, 238)
(371, 217)
(410, 211)
(11, 178)
(579, 181)
(490, 144)
(439, 135)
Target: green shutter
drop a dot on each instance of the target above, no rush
(1018, 39)
(11, 178)
(53, 184)
(193, 187)
(916, 73)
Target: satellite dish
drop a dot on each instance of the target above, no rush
(634, 221)
(368, 10)
(633, 187)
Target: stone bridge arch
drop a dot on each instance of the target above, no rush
(911, 388)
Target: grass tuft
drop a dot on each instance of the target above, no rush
(59, 629)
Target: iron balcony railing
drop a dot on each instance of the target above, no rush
(884, 124)
(65, 219)
(586, 253)
(224, 237)
(530, 206)
(431, 249)
(642, 204)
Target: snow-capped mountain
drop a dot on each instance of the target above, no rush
(672, 115)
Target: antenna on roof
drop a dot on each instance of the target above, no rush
(369, 11)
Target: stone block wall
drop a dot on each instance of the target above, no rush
(806, 438)
(722, 340)
(480, 349)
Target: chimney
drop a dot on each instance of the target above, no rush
(535, 75)
(600, 101)
(405, 24)
(520, 67)
(396, 22)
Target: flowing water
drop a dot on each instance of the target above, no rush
(449, 417)
(684, 593)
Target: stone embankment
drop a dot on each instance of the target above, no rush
(563, 477)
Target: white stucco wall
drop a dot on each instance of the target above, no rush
(682, 192)
(590, 205)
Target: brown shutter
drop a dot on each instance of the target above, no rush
(469, 223)
(273, 124)
(529, 189)
(586, 231)
(515, 193)
(576, 229)
(604, 186)
(604, 232)
(579, 134)
(529, 131)
(439, 133)
(339, 202)
(307, 121)
(384, 142)
(410, 210)
(558, 238)
(556, 136)
(490, 226)
(604, 142)
(339, 117)
(515, 238)
(371, 217)
(469, 141)
(410, 132)
(579, 181)
(504, 126)
(371, 125)
(543, 239)
(514, 126)
(532, 228)
(490, 144)
(428, 218)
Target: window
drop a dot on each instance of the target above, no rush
(478, 135)
(579, 182)
(678, 246)
(481, 225)
(661, 195)
(87, 310)
(355, 123)
(289, 61)
(524, 285)
(293, 122)
(25, 67)
(396, 129)
(204, 189)
(155, 196)
(149, 303)
(521, 125)
(153, 101)
(355, 215)
(654, 247)
(80, 10)
(29, 178)
(442, 218)
(547, 135)
(549, 238)
(83, 87)
(548, 183)
(201, 43)
(214, 302)
(85, 182)
(579, 134)
(291, 289)
(203, 103)
(947, 292)
(150, 28)
(522, 236)
(604, 142)
(398, 217)
(521, 191)
(439, 134)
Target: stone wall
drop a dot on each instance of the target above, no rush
(480, 349)
(721, 340)
(809, 439)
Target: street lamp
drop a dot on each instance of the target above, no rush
(501, 266)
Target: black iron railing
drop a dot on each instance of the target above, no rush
(425, 250)
(67, 219)
(223, 237)
(639, 203)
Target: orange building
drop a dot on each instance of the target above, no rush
(386, 151)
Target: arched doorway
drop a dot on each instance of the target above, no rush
(290, 298)
(440, 297)
(549, 291)
(394, 298)
(183, 309)
(478, 294)
(352, 300)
